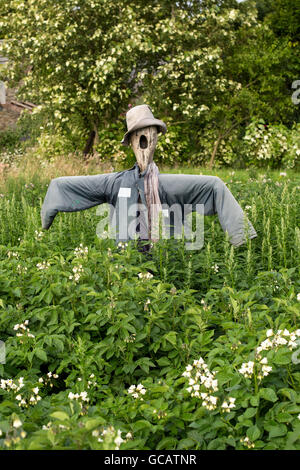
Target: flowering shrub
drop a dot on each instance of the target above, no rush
(273, 145)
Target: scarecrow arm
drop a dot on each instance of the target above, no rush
(73, 193)
(216, 198)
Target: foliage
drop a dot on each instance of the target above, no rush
(194, 62)
(100, 357)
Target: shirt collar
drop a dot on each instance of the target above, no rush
(138, 173)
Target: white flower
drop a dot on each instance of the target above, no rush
(282, 173)
(118, 440)
(266, 370)
(17, 423)
(269, 333)
(215, 267)
(298, 297)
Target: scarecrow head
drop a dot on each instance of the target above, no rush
(142, 134)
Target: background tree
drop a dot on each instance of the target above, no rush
(209, 67)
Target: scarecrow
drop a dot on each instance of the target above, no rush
(143, 188)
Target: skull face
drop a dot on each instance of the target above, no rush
(143, 142)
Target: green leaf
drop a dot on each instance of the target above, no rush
(41, 354)
(268, 394)
(171, 337)
(140, 425)
(217, 444)
(250, 412)
(61, 415)
(168, 443)
(284, 417)
(186, 443)
(254, 400)
(163, 361)
(282, 357)
(253, 433)
(277, 431)
(93, 423)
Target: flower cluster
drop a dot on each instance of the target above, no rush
(81, 251)
(77, 270)
(130, 339)
(21, 269)
(91, 383)
(111, 434)
(29, 186)
(38, 235)
(247, 369)
(24, 328)
(43, 265)
(145, 276)
(81, 397)
(200, 376)
(137, 391)
(48, 379)
(159, 414)
(9, 384)
(246, 441)
(15, 433)
(34, 398)
(122, 245)
(12, 254)
(281, 338)
(227, 406)
(215, 268)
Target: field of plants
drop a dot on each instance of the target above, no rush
(108, 348)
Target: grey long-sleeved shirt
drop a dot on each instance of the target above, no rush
(74, 193)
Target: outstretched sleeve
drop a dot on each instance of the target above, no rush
(215, 197)
(74, 193)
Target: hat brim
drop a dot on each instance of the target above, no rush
(144, 123)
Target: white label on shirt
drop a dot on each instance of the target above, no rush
(124, 192)
(165, 212)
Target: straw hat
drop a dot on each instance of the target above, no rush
(139, 117)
